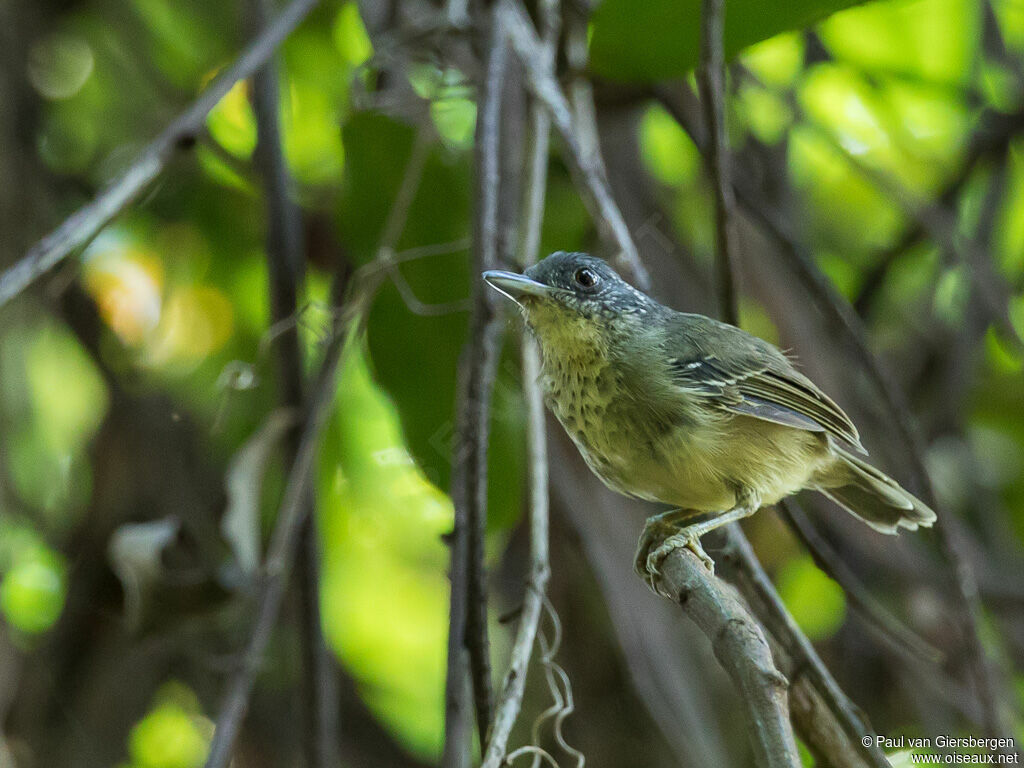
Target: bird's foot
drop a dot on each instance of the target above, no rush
(660, 537)
(657, 530)
(685, 539)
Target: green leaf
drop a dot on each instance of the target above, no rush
(658, 39)
(32, 591)
(816, 602)
(415, 356)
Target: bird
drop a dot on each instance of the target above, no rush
(688, 411)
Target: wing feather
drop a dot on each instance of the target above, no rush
(756, 380)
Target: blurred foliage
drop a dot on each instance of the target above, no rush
(817, 603)
(173, 734)
(180, 284)
(661, 39)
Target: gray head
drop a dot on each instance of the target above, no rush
(566, 284)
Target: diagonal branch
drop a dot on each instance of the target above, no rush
(586, 165)
(741, 648)
(79, 228)
(509, 702)
(903, 640)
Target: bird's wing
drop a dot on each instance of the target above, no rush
(746, 375)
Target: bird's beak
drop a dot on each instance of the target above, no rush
(514, 285)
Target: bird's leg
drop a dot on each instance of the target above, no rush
(689, 537)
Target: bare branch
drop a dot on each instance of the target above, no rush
(79, 228)
(507, 708)
(741, 648)
(477, 371)
(586, 165)
(755, 585)
(286, 267)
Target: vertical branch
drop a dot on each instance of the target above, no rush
(478, 368)
(509, 702)
(711, 82)
(285, 262)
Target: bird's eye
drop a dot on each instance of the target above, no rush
(585, 278)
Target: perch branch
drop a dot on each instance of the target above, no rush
(285, 263)
(755, 585)
(510, 700)
(81, 226)
(586, 165)
(742, 650)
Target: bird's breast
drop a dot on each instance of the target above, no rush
(615, 433)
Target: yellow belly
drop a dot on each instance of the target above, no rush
(704, 468)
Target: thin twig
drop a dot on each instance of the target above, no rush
(586, 165)
(285, 262)
(900, 637)
(81, 226)
(509, 702)
(711, 82)
(477, 370)
(741, 648)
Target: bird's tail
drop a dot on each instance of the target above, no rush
(873, 496)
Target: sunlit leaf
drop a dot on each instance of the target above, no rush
(817, 603)
(667, 150)
(32, 591)
(232, 123)
(168, 737)
(932, 39)
(350, 35)
(776, 61)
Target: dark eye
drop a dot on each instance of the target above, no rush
(585, 278)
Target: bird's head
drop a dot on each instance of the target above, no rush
(572, 296)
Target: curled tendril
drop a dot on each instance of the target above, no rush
(561, 693)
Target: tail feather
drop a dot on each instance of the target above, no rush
(873, 496)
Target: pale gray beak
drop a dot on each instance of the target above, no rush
(515, 285)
